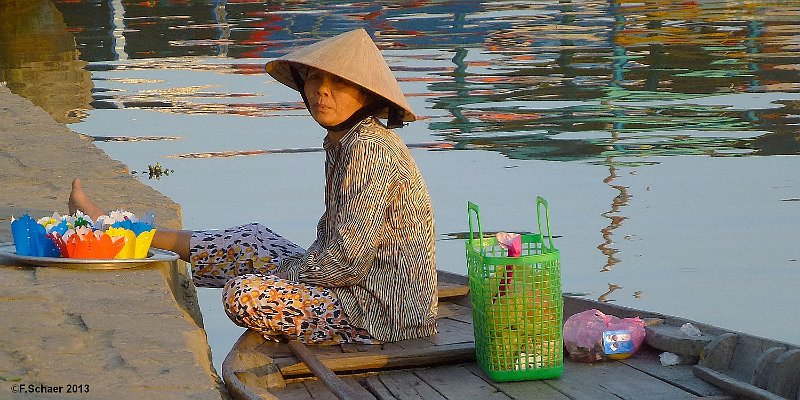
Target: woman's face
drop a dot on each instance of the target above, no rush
(331, 99)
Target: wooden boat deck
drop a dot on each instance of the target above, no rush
(641, 377)
(451, 377)
(443, 366)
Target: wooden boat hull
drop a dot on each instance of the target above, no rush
(442, 366)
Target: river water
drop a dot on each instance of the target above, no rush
(665, 135)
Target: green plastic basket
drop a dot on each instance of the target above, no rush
(517, 306)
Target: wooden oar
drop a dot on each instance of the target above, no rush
(333, 382)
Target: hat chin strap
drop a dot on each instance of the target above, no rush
(395, 119)
(356, 117)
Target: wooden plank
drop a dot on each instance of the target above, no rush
(449, 290)
(520, 390)
(323, 349)
(581, 382)
(273, 349)
(378, 388)
(451, 332)
(717, 355)
(733, 386)
(612, 380)
(716, 397)
(245, 385)
(258, 365)
(448, 309)
(284, 362)
(745, 357)
(240, 381)
(318, 351)
(359, 347)
(404, 385)
(670, 338)
(456, 382)
(574, 305)
(450, 277)
(321, 392)
(765, 365)
(333, 382)
(360, 389)
(647, 361)
(396, 358)
(293, 391)
(418, 343)
(466, 318)
(785, 378)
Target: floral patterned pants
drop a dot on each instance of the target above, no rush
(243, 259)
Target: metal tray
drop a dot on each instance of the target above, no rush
(154, 256)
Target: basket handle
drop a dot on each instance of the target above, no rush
(541, 202)
(473, 208)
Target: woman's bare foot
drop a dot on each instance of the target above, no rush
(78, 200)
(173, 240)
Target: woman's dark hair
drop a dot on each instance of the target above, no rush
(373, 105)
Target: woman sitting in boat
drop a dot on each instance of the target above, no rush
(370, 275)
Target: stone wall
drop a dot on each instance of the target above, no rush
(128, 333)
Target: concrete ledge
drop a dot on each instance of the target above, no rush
(132, 334)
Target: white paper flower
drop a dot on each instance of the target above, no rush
(105, 221)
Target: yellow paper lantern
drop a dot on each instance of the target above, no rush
(135, 246)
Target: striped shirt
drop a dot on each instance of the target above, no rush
(375, 241)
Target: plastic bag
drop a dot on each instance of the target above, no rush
(669, 359)
(690, 330)
(592, 336)
(512, 242)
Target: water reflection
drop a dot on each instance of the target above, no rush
(39, 60)
(612, 287)
(525, 79)
(261, 152)
(635, 66)
(614, 216)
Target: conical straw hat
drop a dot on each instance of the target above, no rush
(352, 56)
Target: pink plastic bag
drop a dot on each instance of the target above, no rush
(512, 242)
(591, 336)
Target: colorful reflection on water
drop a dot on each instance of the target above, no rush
(638, 120)
(545, 80)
